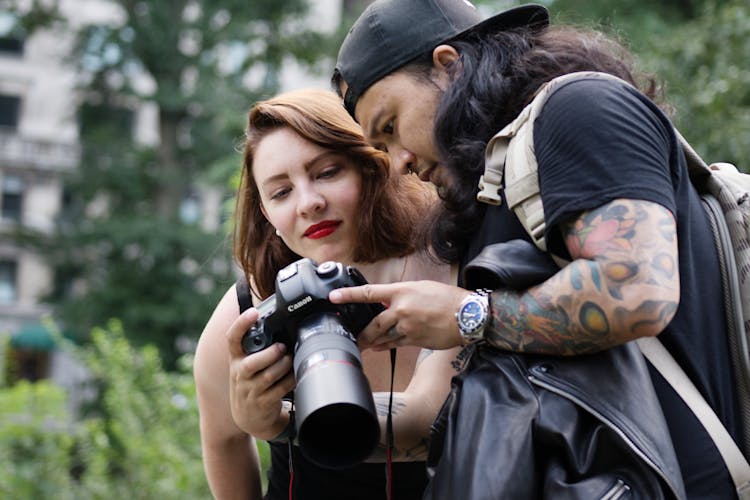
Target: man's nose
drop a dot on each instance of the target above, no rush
(403, 161)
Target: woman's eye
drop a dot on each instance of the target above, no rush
(328, 172)
(388, 128)
(280, 193)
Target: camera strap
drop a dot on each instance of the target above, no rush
(290, 445)
(389, 432)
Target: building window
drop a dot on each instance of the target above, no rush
(9, 107)
(11, 45)
(11, 35)
(28, 365)
(12, 198)
(8, 281)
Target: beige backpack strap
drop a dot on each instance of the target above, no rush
(510, 156)
(660, 358)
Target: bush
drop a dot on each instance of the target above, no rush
(36, 444)
(137, 439)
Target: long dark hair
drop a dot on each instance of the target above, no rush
(495, 76)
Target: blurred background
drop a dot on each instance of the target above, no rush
(120, 128)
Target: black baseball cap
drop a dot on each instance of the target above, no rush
(390, 33)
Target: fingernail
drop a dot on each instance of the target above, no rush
(281, 347)
(334, 295)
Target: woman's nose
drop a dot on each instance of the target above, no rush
(310, 201)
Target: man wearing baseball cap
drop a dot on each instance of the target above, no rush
(431, 82)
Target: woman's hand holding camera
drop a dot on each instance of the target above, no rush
(258, 382)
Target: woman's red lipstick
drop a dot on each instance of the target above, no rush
(321, 229)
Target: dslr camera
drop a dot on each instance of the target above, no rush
(337, 426)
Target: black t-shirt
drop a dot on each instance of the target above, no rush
(365, 481)
(597, 141)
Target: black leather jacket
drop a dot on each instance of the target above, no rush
(526, 426)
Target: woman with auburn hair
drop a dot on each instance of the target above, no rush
(391, 206)
(312, 187)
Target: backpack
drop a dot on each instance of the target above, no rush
(725, 192)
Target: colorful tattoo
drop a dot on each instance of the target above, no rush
(619, 286)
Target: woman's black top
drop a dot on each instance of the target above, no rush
(362, 482)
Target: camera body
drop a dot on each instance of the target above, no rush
(336, 423)
(302, 290)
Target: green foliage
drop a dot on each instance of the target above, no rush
(141, 440)
(705, 63)
(36, 446)
(138, 439)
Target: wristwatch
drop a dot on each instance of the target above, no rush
(472, 316)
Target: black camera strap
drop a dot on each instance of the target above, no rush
(243, 294)
(290, 446)
(389, 432)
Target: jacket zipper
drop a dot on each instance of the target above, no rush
(617, 491)
(607, 422)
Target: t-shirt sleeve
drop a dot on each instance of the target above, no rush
(597, 141)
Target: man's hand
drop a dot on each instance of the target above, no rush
(420, 313)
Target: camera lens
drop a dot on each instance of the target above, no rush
(336, 422)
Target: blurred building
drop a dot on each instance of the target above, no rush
(39, 142)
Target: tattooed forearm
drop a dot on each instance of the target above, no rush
(382, 400)
(416, 449)
(423, 354)
(622, 284)
(410, 454)
(459, 363)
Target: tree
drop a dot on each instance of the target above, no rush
(698, 49)
(126, 246)
(705, 64)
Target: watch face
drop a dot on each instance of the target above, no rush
(471, 315)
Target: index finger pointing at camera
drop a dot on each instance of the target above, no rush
(364, 294)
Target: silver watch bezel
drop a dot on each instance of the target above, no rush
(473, 334)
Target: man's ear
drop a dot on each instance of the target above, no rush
(444, 55)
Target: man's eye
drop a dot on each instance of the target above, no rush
(388, 128)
